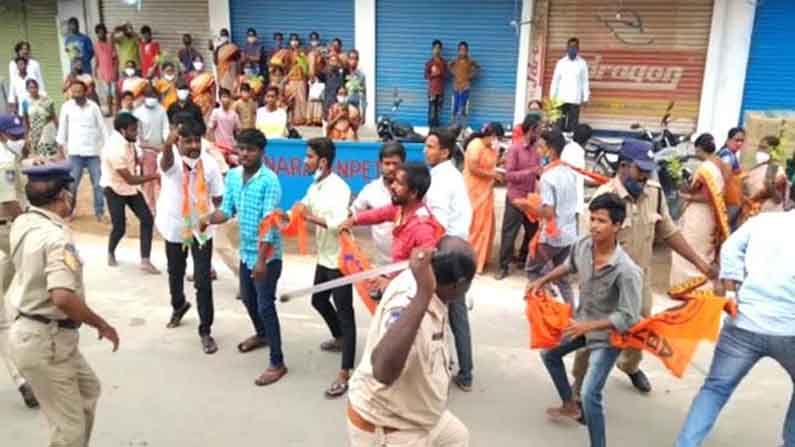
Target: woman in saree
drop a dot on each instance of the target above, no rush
(705, 221)
(202, 88)
(766, 185)
(480, 175)
(344, 119)
(42, 122)
(295, 89)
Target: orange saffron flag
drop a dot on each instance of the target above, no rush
(674, 334)
(547, 317)
(295, 226)
(353, 260)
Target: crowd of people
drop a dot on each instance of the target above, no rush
(193, 169)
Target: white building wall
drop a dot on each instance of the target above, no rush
(727, 61)
(219, 15)
(364, 41)
(525, 29)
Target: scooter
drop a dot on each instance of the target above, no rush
(389, 129)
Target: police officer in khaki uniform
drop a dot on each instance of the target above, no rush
(647, 219)
(12, 203)
(398, 394)
(46, 298)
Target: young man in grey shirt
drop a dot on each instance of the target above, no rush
(558, 188)
(610, 297)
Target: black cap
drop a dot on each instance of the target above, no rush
(50, 171)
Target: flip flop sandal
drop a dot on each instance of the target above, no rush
(331, 346)
(250, 344)
(337, 389)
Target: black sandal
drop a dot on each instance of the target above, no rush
(331, 346)
(337, 389)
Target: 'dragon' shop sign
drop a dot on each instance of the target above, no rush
(355, 162)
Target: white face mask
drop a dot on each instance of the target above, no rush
(150, 102)
(182, 95)
(224, 39)
(318, 173)
(252, 39)
(198, 65)
(342, 99)
(129, 72)
(762, 157)
(15, 146)
(169, 77)
(191, 162)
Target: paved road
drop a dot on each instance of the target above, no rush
(160, 390)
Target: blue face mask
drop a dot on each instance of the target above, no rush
(633, 187)
(572, 52)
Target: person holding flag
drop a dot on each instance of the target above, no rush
(192, 186)
(610, 283)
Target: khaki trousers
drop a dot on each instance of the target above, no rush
(64, 383)
(629, 362)
(449, 432)
(6, 274)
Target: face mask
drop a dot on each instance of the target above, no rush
(224, 39)
(150, 102)
(129, 72)
(318, 173)
(252, 39)
(169, 77)
(572, 52)
(762, 157)
(191, 162)
(342, 99)
(633, 187)
(198, 66)
(15, 146)
(249, 72)
(182, 95)
(314, 43)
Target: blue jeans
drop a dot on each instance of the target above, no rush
(260, 301)
(736, 353)
(601, 362)
(79, 163)
(460, 107)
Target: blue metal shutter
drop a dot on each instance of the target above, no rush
(330, 19)
(404, 32)
(770, 79)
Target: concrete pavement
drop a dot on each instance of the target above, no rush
(161, 390)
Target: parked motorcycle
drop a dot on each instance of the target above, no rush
(390, 129)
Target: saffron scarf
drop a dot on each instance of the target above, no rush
(717, 203)
(191, 213)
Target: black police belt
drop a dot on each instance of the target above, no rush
(63, 324)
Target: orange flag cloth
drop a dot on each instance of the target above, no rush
(295, 226)
(353, 260)
(672, 335)
(548, 317)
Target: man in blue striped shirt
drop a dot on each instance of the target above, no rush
(252, 191)
(756, 262)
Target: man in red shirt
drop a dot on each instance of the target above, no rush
(435, 73)
(150, 50)
(415, 226)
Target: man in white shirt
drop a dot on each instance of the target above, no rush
(154, 129)
(376, 194)
(449, 203)
(178, 230)
(22, 49)
(574, 155)
(17, 85)
(81, 134)
(570, 85)
(272, 120)
(326, 203)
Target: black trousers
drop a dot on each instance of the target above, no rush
(570, 118)
(435, 104)
(118, 220)
(177, 257)
(339, 318)
(512, 220)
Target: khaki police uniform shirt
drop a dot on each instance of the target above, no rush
(12, 185)
(647, 217)
(418, 398)
(45, 258)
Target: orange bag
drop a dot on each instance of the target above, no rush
(547, 317)
(353, 260)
